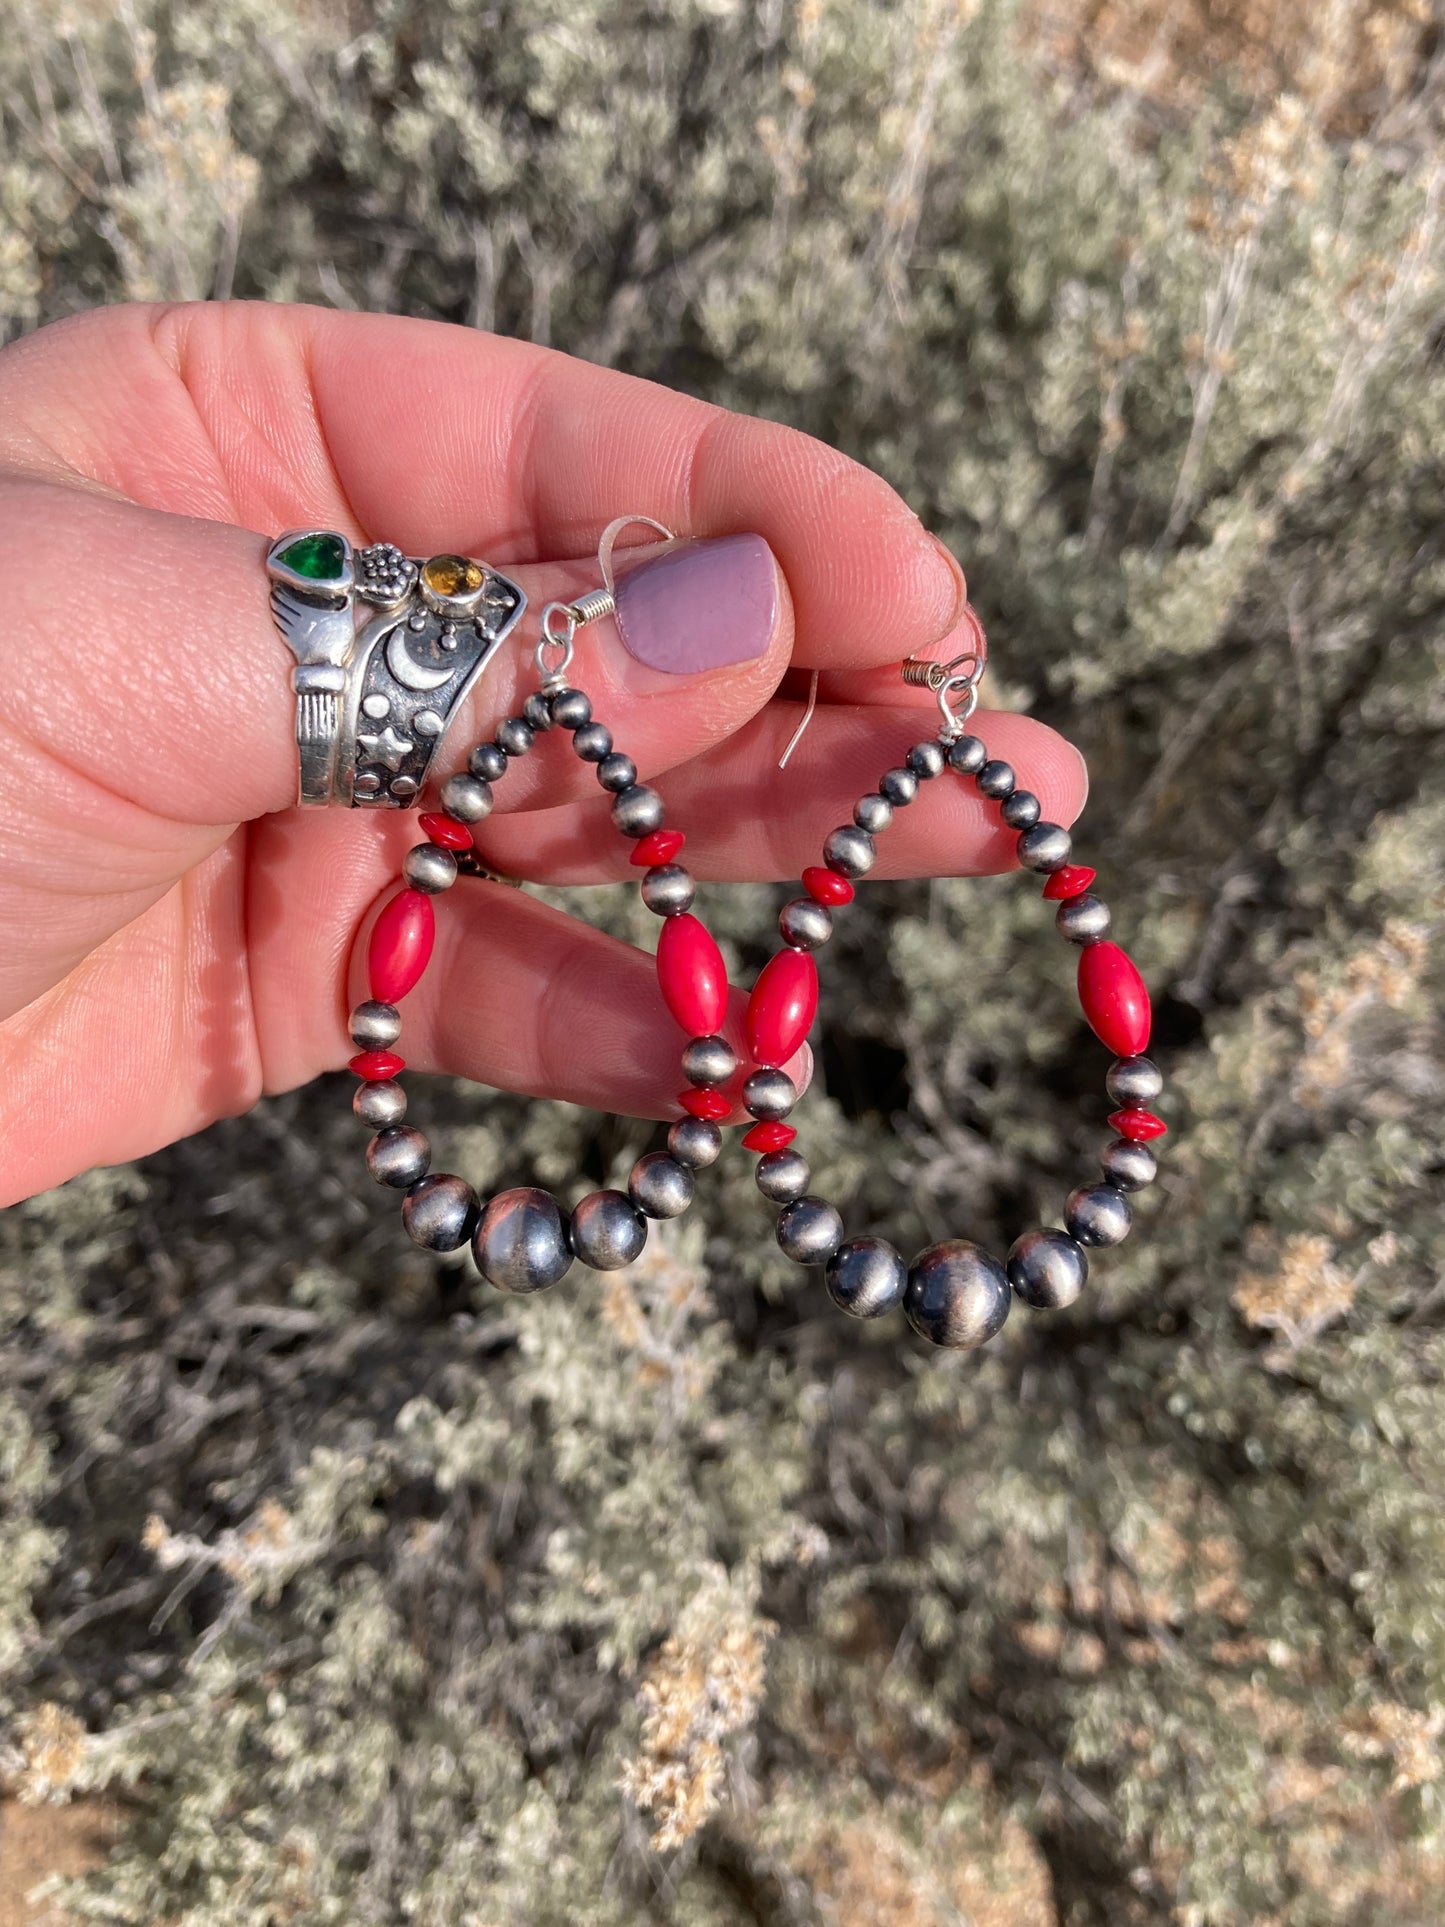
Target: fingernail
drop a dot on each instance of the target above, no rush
(952, 587)
(701, 605)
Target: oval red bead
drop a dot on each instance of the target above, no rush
(783, 1005)
(709, 1104)
(1071, 881)
(1115, 1000)
(376, 1066)
(661, 846)
(401, 945)
(772, 1136)
(445, 830)
(692, 976)
(1137, 1125)
(826, 886)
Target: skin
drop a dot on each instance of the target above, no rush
(178, 938)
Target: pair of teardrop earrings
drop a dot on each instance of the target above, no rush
(953, 1294)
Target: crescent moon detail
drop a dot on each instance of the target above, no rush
(407, 670)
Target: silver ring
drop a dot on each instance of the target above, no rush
(386, 648)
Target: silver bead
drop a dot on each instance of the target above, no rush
(866, 1277)
(1021, 810)
(617, 772)
(967, 755)
(1045, 847)
(849, 851)
(520, 1243)
(607, 1230)
(668, 889)
(957, 1295)
(898, 787)
(439, 1213)
(694, 1141)
(398, 1156)
(782, 1176)
(374, 1025)
(537, 712)
(769, 1094)
(872, 813)
(571, 709)
(1098, 1214)
(380, 1103)
(708, 1060)
(1047, 1269)
(809, 1231)
(467, 798)
(638, 811)
(805, 924)
(1134, 1080)
(1130, 1166)
(1083, 919)
(428, 867)
(996, 778)
(592, 742)
(926, 759)
(661, 1186)
(486, 763)
(514, 737)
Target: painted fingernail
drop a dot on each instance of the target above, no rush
(701, 605)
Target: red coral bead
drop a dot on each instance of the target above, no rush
(377, 1065)
(772, 1136)
(1071, 881)
(1115, 1000)
(709, 1104)
(826, 886)
(692, 976)
(783, 1005)
(401, 945)
(660, 847)
(445, 830)
(1137, 1125)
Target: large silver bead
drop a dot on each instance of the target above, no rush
(769, 1094)
(809, 1231)
(1047, 1269)
(469, 798)
(1134, 1080)
(380, 1103)
(1083, 919)
(1098, 1214)
(660, 1186)
(1044, 847)
(957, 1295)
(1131, 1166)
(374, 1025)
(637, 811)
(694, 1141)
(607, 1230)
(398, 1156)
(866, 1277)
(805, 924)
(439, 1213)
(850, 851)
(668, 889)
(782, 1176)
(520, 1243)
(428, 867)
(708, 1060)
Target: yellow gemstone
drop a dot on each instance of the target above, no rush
(452, 575)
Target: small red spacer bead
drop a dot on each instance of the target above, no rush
(772, 1136)
(661, 846)
(1136, 1125)
(1071, 881)
(709, 1104)
(376, 1066)
(826, 886)
(445, 830)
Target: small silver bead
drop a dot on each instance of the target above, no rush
(866, 1277)
(1021, 810)
(967, 755)
(607, 1230)
(467, 798)
(926, 759)
(514, 737)
(1130, 1166)
(571, 709)
(661, 1186)
(782, 1176)
(708, 1060)
(805, 924)
(1098, 1214)
(617, 772)
(638, 811)
(486, 763)
(520, 1243)
(380, 1103)
(957, 1295)
(592, 742)
(996, 778)
(872, 813)
(668, 889)
(439, 1213)
(430, 868)
(1083, 919)
(398, 1156)
(1047, 1269)
(809, 1231)
(898, 787)
(849, 851)
(769, 1094)
(1134, 1080)
(694, 1141)
(1044, 847)
(375, 1025)
(537, 712)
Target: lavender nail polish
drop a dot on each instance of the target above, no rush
(700, 606)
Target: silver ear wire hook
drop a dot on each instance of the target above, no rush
(562, 620)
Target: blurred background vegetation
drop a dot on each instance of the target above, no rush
(333, 1591)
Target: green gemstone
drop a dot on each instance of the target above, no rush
(320, 558)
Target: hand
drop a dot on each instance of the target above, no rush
(178, 938)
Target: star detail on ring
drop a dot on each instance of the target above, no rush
(390, 748)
